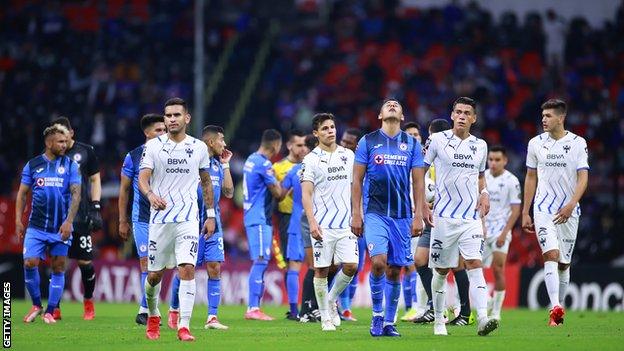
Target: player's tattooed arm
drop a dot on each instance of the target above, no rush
(227, 187)
(208, 195)
(66, 227)
(530, 184)
(20, 203)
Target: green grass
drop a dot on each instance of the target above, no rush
(114, 329)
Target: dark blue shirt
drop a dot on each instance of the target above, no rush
(130, 169)
(389, 162)
(50, 182)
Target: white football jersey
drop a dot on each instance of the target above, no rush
(504, 191)
(557, 163)
(457, 166)
(175, 176)
(331, 174)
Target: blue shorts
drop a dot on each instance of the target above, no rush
(362, 250)
(36, 241)
(294, 250)
(260, 238)
(140, 231)
(391, 236)
(210, 250)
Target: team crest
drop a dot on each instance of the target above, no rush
(189, 151)
(378, 159)
(61, 170)
(215, 168)
(143, 248)
(473, 149)
(370, 247)
(40, 182)
(77, 157)
(566, 148)
(403, 146)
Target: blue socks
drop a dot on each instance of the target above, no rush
(256, 283)
(292, 289)
(392, 291)
(377, 293)
(57, 283)
(143, 300)
(408, 289)
(214, 295)
(345, 297)
(413, 279)
(33, 283)
(175, 287)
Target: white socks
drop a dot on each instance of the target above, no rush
(422, 295)
(341, 281)
(151, 296)
(438, 289)
(186, 295)
(478, 291)
(320, 290)
(551, 278)
(497, 302)
(564, 281)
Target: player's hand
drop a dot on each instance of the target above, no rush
(483, 204)
(427, 215)
(66, 230)
(500, 241)
(527, 223)
(315, 231)
(156, 201)
(19, 229)
(124, 230)
(225, 156)
(357, 225)
(417, 226)
(95, 217)
(564, 213)
(209, 227)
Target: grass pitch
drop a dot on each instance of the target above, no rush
(114, 329)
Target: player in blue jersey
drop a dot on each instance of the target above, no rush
(294, 247)
(387, 157)
(259, 187)
(54, 180)
(153, 125)
(211, 250)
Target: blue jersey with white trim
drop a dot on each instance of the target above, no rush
(130, 169)
(216, 177)
(293, 181)
(258, 174)
(50, 182)
(389, 162)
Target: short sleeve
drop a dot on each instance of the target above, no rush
(266, 173)
(515, 194)
(93, 164)
(483, 159)
(147, 159)
(26, 176)
(430, 151)
(308, 171)
(582, 155)
(417, 156)
(531, 161)
(204, 160)
(128, 167)
(361, 152)
(74, 175)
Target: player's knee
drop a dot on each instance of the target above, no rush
(349, 269)
(294, 265)
(498, 269)
(321, 272)
(153, 278)
(84, 262)
(563, 266)
(214, 270)
(421, 258)
(186, 271)
(442, 271)
(31, 262)
(552, 255)
(143, 264)
(472, 264)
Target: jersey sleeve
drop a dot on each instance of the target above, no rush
(531, 161)
(417, 156)
(148, 157)
(93, 164)
(26, 175)
(287, 183)
(515, 194)
(128, 167)
(484, 158)
(309, 173)
(267, 173)
(74, 175)
(582, 156)
(361, 152)
(204, 160)
(430, 151)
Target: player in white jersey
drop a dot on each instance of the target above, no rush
(505, 199)
(557, 166)
(171, 166)
(326, 198)
(461, 197)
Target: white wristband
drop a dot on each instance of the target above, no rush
(485, 191)
(225, 165)
(210, 213)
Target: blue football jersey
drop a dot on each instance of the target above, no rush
(216, 176)
(130, 169)
(388, 162)
(292, 181)
(257, 176)
(51, 197)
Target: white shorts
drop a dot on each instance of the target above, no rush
(552, 236)
(451, 237)
(490, 247)
(414, 245)
(172, 244)
(338, 246)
